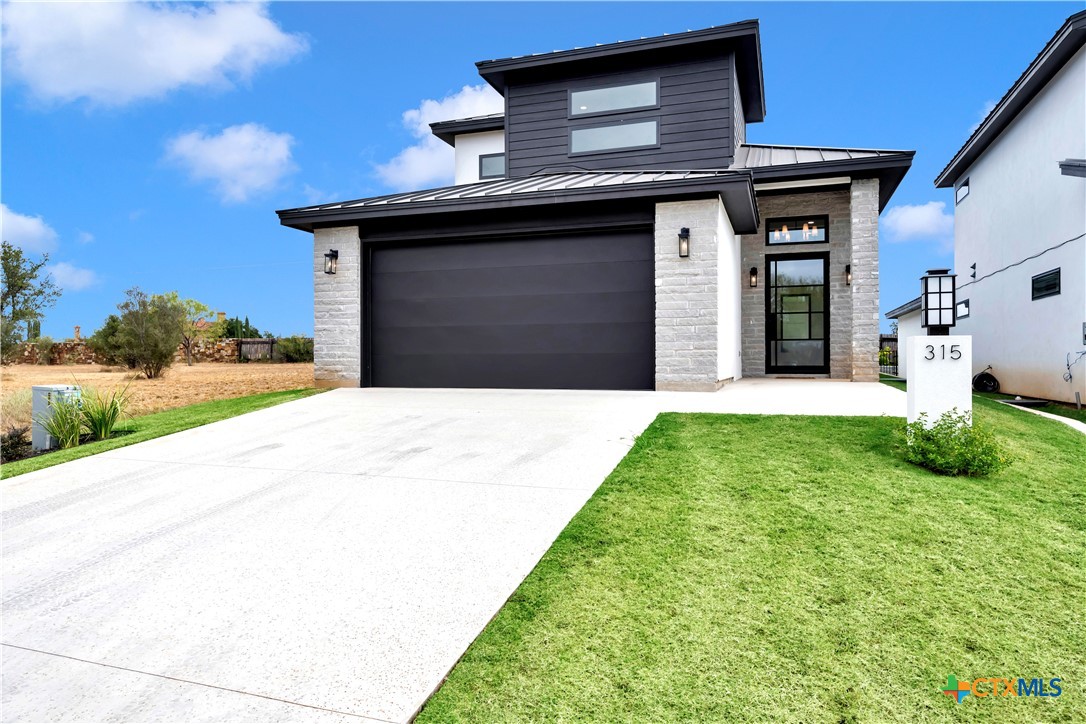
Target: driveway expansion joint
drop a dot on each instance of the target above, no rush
(362, 717)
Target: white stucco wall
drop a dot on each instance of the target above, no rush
(729, 302)
(1019, 205)
(469, 146)
(908, 325)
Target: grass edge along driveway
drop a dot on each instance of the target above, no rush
(746, 568)
(148, 427)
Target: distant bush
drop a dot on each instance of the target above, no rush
(44, 346)
(954, 447)
(107, 346)
(14, 443)
(149, 331)
(295, 349)
(886, 356)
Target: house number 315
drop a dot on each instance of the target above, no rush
(954, 352)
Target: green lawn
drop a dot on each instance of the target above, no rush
(743, 568)
(147, 427)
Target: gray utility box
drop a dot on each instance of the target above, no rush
(39, 438)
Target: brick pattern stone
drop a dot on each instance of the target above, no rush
(686, 296)
(73, 352)
(337, 309)
(864, 201)
(835, 204)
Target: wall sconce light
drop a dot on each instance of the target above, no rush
(684, 242)
(754, 276)
(848, 275)
(331, 259)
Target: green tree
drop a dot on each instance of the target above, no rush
(106, 344)
(237, 329)
(25, 292)
(191, 328)
(149, 330)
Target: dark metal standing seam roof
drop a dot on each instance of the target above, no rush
(448, 130)
(1064, 44)
(736, 189)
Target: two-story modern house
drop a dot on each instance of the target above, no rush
(612, 229)
(1020, 228)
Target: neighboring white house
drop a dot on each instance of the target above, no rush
(908, 325)
(1020, 227)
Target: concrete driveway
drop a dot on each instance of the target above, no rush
(325, 560)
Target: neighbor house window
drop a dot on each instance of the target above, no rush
(1047, 284)
(613, 137)
(614, 98)
(797, 230)
(961, 192)
(492, 165)
(962, 310)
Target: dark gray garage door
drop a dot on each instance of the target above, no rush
(569, 312)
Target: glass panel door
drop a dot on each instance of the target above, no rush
(797, 314)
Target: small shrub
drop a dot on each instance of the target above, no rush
(44, 346)
(15, 443)
(66, 423)
(886, 356)
(295, 349)
(952, 447)
(102, 411)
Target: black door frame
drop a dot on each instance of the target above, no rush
(770, 320)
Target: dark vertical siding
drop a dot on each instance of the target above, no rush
(695, 117)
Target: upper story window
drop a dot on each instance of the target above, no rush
(1047, 284)
(492, 165)
(629, 97)
(641, 134)
(961, 192)
(797, 230)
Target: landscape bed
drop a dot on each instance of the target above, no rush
(757, 568)
(148, 427)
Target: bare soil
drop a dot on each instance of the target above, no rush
(181, 385)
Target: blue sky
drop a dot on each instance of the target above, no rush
(150, 145)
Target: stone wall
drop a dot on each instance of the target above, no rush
(337, 309)
(865, 280)
(686, 296)
(78, 353)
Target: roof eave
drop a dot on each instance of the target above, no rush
(735, 190)
(447, 131)
(494, 71)
(890, 169)
(913, 305)
(1064, 44)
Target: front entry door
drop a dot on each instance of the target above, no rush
(797, 314)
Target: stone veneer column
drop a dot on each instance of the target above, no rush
(337, 309)
(686, 296)
(865, 280)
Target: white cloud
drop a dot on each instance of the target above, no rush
(29, 233)
(114, 53)
(85, 237)
(241, 161)
(989, 106)
(429, 162)
(925, 222)
(72, 278)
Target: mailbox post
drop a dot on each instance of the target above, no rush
(940, 364)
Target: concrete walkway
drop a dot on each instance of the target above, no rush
(324, 560)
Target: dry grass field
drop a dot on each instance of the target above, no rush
(181, 385)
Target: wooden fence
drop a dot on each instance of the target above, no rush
(888, 354)
(256, 349)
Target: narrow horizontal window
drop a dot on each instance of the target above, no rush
(608, 138)
(492, 165)
(962, 310)
(615, 98)
(961, 192)
(1047, 284)
(797, 230)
